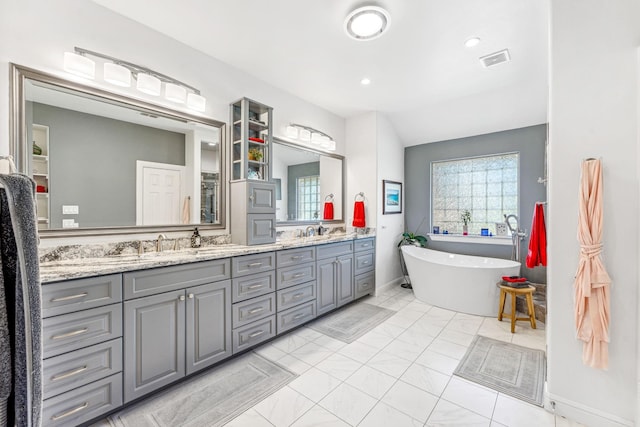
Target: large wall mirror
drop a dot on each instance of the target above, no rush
(104, 163)
(306, 179)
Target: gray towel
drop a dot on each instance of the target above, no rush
(21, 283)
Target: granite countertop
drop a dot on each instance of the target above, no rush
(53, 271)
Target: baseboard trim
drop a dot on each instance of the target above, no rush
(395, 282)
(585, 415)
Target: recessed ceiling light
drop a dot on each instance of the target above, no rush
(471, 42)
(367, 23)
(365, 81)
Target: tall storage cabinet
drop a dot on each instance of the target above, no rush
(253, 201)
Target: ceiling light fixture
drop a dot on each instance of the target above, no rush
(308, 134)
(471, 42)
(119, 72)
(365, 81)
(367, 23)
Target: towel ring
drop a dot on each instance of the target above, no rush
(361, 194)
(329, 198)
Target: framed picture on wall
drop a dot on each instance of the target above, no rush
(391, 197)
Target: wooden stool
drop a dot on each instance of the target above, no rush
(514, 292)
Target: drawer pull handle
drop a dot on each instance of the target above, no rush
(365, 245)
(297, 296)
(70, 297)
(297, 275)
(296, 257)
(253, 287)
(364, 285)
(70, 412)
(365, 263)
(254, 264)
(70, 334)
(256, 334)
(299, 316)
(190, 296)
(69, 373)
(256, 310)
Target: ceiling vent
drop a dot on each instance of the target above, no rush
(495, 58)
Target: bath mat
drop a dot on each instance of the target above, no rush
(508, 368)
(351, 322)
(211, 399)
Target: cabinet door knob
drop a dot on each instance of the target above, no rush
(190, 296)
(251, 198)
(181, 298)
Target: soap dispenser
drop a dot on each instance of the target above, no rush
(196, 240)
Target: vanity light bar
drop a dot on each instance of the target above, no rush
(119, 72)
(308, 134)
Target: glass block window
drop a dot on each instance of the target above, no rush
(486, 186)
(308, 197)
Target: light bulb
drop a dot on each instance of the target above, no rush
(148, 84)
(79, 65)
(117, 74)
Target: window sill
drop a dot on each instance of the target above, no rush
(459, 238)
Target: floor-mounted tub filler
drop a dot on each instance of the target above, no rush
(462, 283)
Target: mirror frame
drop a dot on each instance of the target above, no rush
(20, 149)
(286, 143)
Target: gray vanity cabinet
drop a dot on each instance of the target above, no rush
(334, 275)
(168, 335)
(364, 269)
(208, 325)
(254, 220)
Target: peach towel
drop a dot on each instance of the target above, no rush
(592, 282)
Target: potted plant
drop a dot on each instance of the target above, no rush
(255, 154)
(409, 239)
(466, 219)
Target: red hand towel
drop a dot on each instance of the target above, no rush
(537, 254)
(358, 214)
(256, 139)
(514, 280)
(328, 210)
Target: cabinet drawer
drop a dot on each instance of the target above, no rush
(254, 333)
(334, 249)
(253, 286)
(157, 280)
(296, 316)
(81, 294)
(365, 284)
(254, 309)
(364, 261)
(297, 274)
(291, 257)
(84, 403)
(364, 244)
(250, 264)
(261, 229)
(68, 371)
(295, 295)
(262, 198)
(68, 332)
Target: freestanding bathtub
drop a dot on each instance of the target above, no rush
(461, 283)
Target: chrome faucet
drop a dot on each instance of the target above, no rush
(517, 235)
(159, 245)
(309, 231)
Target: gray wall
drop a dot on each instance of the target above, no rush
(293, 173)
(529, 142)
(93, 164)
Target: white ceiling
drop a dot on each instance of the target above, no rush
(423, 78)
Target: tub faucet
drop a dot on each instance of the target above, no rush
(309, 231)
(517, 235)
(159, 245)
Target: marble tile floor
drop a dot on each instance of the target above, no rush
(399, 374)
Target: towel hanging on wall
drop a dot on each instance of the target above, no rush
(358, 211)
(537, 254)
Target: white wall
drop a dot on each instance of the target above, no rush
(389, 227)
(594, 113)
(37, 33)
(361, 161)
